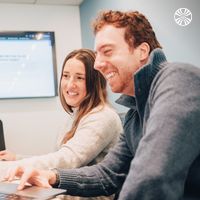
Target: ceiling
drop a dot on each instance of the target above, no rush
(55, 2)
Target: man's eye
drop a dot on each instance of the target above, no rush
(108, 52)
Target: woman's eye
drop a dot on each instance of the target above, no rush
(65, 75)
(80, 78)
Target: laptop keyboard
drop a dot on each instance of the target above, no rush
(13, 197)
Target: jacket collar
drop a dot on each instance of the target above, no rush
(143, 79)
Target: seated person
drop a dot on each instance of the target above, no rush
(94, 126)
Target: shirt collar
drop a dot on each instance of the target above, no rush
(143, 79)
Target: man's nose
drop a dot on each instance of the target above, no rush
(99, 64)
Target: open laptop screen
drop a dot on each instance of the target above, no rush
(2, 141)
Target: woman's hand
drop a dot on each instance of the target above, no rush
(7, 155)
(41, 178)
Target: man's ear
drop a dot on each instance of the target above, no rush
(144, 51)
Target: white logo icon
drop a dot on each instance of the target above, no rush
(183, 16)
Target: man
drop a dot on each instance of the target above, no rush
(157, 156)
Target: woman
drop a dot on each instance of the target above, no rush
(94, 126)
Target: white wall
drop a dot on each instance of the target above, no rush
(31, 125)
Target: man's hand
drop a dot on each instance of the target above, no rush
(41, 178)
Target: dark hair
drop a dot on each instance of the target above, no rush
(137, 27)
(95, 88)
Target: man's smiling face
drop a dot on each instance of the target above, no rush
(115, 59)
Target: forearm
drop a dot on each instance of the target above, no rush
(46, 161)
(103, 179)
(21, 156)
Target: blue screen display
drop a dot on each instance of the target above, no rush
(27, 65)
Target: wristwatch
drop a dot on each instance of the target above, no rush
(55, 171)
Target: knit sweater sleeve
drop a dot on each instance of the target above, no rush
(105, 178)
(96, 131)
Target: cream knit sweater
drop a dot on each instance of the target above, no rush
(95, 134)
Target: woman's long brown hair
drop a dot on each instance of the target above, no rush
(95, 89)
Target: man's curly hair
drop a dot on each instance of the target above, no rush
(137, 27)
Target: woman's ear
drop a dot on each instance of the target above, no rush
(144, 51)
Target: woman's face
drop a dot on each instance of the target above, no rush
(73, 82)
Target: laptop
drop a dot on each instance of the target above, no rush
(9, 191)
(2, 141)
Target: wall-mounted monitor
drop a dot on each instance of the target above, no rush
(27, 64)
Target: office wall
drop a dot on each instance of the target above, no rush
(31, 125)
(179, 43)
